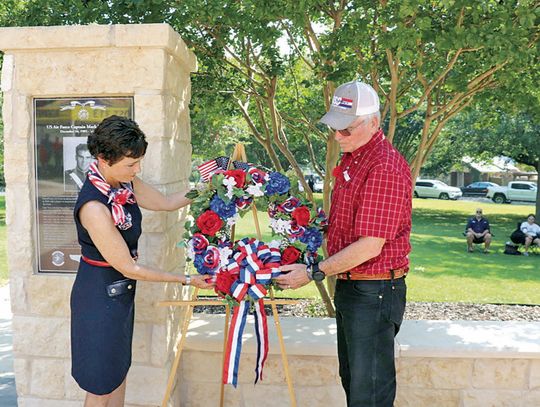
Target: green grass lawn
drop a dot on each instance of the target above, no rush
(441, 268)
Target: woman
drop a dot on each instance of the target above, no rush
(532, 233)
(108, 223)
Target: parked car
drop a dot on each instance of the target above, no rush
(432, 188)
(479, 188)
(515, 191)
(318, 185)
(317, 182)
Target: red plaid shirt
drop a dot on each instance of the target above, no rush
(372, 196)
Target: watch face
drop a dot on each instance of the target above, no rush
(318, 275)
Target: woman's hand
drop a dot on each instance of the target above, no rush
(202, 281)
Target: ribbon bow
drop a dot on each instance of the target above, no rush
(256, 264)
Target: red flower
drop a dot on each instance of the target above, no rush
(209, 222)
(290, 255)
(337, 172)
(289, 205)
(301, 215)
(224, 281)
(239, 176)
(211, 258)
(200, 243)
(257, 175)
(122, 196)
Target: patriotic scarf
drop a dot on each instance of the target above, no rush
(117, 197)
(256, 264)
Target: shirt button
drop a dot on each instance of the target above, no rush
(113, 290)
(129, 287)
(380, 296)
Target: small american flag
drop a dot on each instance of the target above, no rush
(209, 167)
(240, 165)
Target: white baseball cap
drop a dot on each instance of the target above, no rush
(351, 100)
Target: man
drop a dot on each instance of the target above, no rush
(531, 231)
(368, 243)
(477, 232)
(74, 178)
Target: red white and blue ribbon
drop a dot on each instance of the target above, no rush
(257, 264)
(117, 197)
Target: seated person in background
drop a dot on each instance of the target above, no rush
(477, 231)
(532, 233)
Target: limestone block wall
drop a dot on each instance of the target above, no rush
(439, 363)
(151, 63)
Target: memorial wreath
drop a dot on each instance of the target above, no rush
(244, 269)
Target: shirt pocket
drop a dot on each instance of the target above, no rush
(346, 209)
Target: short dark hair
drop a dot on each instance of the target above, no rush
(81, 147)
(115, 138)
(531, 214)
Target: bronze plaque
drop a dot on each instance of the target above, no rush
(62, 126)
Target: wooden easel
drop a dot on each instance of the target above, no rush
(239, 154)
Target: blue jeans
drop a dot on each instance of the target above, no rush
(368, 314)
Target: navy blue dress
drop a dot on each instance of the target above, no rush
(101, 326)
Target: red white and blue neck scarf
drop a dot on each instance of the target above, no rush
(118, 197)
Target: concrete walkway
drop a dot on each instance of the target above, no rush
(8, 395)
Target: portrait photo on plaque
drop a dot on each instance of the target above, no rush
(77, 160)
(62, 160)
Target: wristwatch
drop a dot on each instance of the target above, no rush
(188, 279)
(314, 273)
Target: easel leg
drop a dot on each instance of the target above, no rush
(225, 337)
(283, 352)
(179, 347)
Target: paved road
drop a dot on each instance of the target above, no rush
(8, 395)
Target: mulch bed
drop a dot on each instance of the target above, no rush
(416, 310)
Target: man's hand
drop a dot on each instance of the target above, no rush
(295, 277)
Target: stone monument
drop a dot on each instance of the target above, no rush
(78, 69)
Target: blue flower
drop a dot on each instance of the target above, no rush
(277, 184)
(313, 238)
(198, 262)
(224, 210)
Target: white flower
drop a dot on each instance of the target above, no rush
(232, 220)
(255, 190)
(189, 250)
(279, 225)
(201, 186)
(274, 244)
(229, 182)
(224, 254)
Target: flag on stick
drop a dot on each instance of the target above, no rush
(208, 168)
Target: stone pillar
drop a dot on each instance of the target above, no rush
(151, 63)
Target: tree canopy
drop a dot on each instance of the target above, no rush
(275, 64)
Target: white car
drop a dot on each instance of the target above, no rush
(432, 188)
(318, 185)
(515, 191)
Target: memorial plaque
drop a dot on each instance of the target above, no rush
(62, 126)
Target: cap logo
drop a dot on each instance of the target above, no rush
(342, 102)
